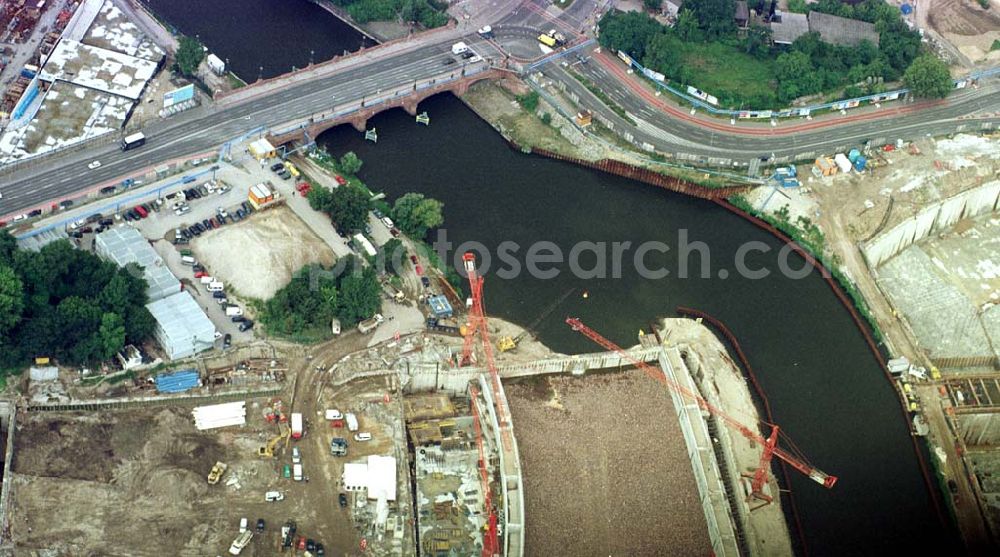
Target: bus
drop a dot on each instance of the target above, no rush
(133, 141)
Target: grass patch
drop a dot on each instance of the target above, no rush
(730, 74)
(234, 80)
(109, 379)
(604, 98)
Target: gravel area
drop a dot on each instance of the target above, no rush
(606, 469)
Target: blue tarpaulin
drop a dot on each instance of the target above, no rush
(177, 381)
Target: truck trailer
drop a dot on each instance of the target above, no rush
(296, 425)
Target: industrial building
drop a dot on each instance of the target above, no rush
(182, 328)
(124, 245)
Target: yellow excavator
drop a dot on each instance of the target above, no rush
(216, 473)
(267, 451)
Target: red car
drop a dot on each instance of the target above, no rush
(338, 424)
(419, 269)
(340, 179)
(200, 274)
(413, 258)
(142, 212)
(302, 543)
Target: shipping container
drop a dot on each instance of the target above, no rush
(842, 162)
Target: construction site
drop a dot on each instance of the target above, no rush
(916, 232)
(428, 443)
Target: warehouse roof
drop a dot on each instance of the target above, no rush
(123, 245)
(98, 68)
(790, 27)
(840, 30)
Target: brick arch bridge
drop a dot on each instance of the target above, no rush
(408, 99)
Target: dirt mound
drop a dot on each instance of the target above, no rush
(962, 17)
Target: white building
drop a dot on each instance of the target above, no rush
(123, 245)
(182, 328)
(376, 476)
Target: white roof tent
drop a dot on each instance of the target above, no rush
(220, 415)
(182, 328)
(123, 245)
(377, 476)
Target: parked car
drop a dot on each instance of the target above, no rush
(94, 165)
(273, 496)
(320, 551)
(277, 166)
(66, 203)
(35, 213)
(425, 281)
(310, 545)
(296, 455)
(260, 524)
(237, 319)
(343, 499)
(246, 325)
(227, 340)
(413, 259)
(363, 436)
(107, 189)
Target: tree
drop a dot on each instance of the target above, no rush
(190, 53)
(360, 297)
(629, 32)
(320, 199)
(348, 208)
(798, 6)
(928, 77)
(111, 334)
(11, 300)
(715, 17)
(416, 214)
(758, 40)
(350, 163)
(8, 245)
(393, 256)
(687, 27)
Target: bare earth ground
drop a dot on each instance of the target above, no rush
(133, 483)
(606, 470)
(258, 256)
(967, 26)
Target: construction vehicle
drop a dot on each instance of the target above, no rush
(770, 444)
(507, 343)
(215, 474)
(296, 425)
(267, 451)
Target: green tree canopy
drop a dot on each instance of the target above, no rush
(11, 300)
(416, 214)
(928, 77)
(111, 334)
(190, 53)
(715, 17)
(8, 245)
(350, 163)
(360, 296)
(629, 32)
(393, 256)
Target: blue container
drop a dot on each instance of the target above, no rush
(906, 9)
(859, 164)
(177, 381)
(853, 155)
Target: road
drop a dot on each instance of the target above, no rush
(657, 122)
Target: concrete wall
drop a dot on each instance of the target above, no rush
(8, 413)
(979, 429)
(935, 218)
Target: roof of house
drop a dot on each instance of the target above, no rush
(791, 27)
(840, 30)
(742, 11)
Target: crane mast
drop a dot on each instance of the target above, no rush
(769, 444)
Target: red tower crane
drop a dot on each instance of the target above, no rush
(769, 444)
(479, 326)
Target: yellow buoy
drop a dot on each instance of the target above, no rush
(586, 294)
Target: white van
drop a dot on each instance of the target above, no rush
(363, 436)
(387, 222)
(215, 286)
(296, 455)
(188, 260)
(233, 311)
(352, 421)
(244, 523)
(207, 279)
(297, 472)
(273, 496)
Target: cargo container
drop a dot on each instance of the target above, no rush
(547, 41)
(296, 425)
(842, 162)
(853, 155)
(826, 166)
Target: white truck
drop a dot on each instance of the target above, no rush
(233, 311)
(240, 542)
(459, 48)
(369, 325)
(296, 425)
(352, 421)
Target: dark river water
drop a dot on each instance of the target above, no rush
(824, 386)
(252, 34)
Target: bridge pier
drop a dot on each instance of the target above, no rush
(411, 107)
(360, 123)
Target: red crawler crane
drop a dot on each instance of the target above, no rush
(478, 326)
(770, 444)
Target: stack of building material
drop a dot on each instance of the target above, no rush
(826, 166)
(178, 381)
(220, 415)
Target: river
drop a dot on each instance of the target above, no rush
(825, 387)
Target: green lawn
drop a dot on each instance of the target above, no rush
(730, 74)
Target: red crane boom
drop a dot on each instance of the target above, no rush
(769, 444)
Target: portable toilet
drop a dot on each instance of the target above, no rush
(859, 164)
(853, 155)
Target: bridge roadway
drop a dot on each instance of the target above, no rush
(207, 127)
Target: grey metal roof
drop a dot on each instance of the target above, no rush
(840, 30)
(182, 328)
(791, 27)
(123, 245)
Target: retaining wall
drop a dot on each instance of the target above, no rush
(933, 219)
